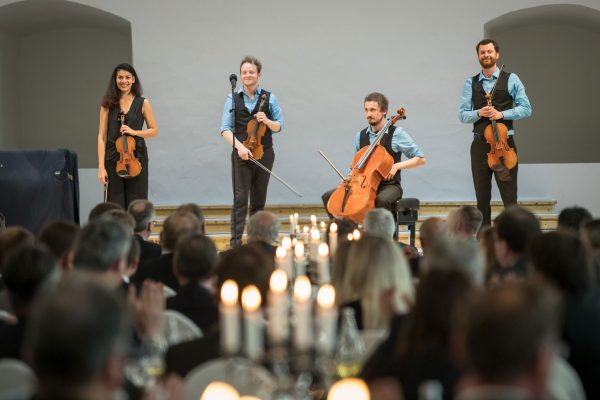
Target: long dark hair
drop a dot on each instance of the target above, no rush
(113, 94)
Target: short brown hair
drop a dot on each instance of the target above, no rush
(487, 41)
(251, 60)
(379, 99)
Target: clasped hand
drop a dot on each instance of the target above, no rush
(491, 113)
(127, 130)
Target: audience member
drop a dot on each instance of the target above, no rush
(590, 235)
(196, 210)
(487, 238)
(25, 271)
(376, 272)
(561, 260)
(175, 226)
(422, 345)
(123, 217)
(144, 215)
(465, 222)
(431, 229)
(246, 266)
(454, 253)
(11, 239)
(263, 231)
(194, 265)
(133, 261)
(101, 208)
(515, 229)
(380, 222)
(60, 237)
(571, 219)
(510, 343)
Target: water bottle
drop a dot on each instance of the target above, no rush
(351, 348)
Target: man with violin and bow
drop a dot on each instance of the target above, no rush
(257, 117)
(396, 142)
(491, 101)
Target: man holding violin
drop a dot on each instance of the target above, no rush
(251, 181)
(396, 142)
(509, 102)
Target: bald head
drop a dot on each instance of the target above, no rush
(430, 229)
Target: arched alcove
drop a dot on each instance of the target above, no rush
(554, 50)
(57, 59)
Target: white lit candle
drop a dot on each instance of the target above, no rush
(292, 224)
(323, 264)
(333, 238)
(229, 311)
(278, 307)
(253, 329)
(315, 240)
(326, 319)
(313, 222)
(303, 332)
(323, 229)
(349, 388)
(350, 237)
(300, 259)
(356, 234)
(305, 234)
(283, 262)
(296, 226)
(219, 391)
(287, 243)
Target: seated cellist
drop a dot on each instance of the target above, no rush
(396, 142)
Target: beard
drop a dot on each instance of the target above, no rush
(487, 62)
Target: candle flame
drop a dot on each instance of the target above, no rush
(326, 296)
(280, 252)
(251, 298)
(229, 293)
(349, 388)
(305, 229)
(350, 236)
(356, 234)
(323, 250)
(302, 288)
(333, 227)
(278, 282)
(286, 243)
(315, 235)
(299, 250)
(220, 391)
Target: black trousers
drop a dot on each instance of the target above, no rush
(387, 194)
(124, 191)
(251, 183)
(482, 178)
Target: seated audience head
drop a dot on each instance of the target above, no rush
(571, 219)
(196, 210)
(26, 269)
(102, 249)
(175, 226)
(375, 266)
(101, 208)
(144, 215)
(246, 265)
(431, 229)
(487, 237)
(453, 253)
(561, 259)
(590, 235)
(441, 298)
(11, 239)
(263, 226)
(60, 237)
(510, 336)
(77, 340)
(464, 221)
(380, 222)
(515, 229)
(123, 217)
(195, 258)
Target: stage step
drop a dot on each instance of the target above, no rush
(218, 217)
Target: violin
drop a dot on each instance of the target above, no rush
(355, 196)
(501, 157)
(256, 130)
(128, 165)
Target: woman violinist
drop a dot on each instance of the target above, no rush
(396, 142)
(122, 115)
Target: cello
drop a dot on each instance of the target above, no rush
(256, 130)
(128, 166)
(501, 157)
(355, 196)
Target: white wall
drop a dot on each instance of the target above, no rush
(320, 58)
(9, 116)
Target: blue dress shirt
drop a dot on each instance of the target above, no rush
(274, 108)
(401, 142)
(522, 108)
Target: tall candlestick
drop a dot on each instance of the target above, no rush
(326, 319)
(315, 240)
(305, 234)
(323, 230)
(292, 225)
(229, 311)
(278, 307)
(300, 259)
(284, 262)
(333, 237)
(323, 264)
(297, 227)
(253, 329)
(313, 222)
(303, 332)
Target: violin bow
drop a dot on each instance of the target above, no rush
(274, 175)
(332, 165)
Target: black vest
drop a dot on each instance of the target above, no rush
(386, 142)
(243, 116)
(501, 100)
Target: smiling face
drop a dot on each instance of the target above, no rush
(124, 80)
(487, 55)
(249, 74)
